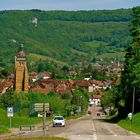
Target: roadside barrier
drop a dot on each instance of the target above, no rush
(27, 128)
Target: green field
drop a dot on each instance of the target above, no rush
(37, 57)
(16, 121)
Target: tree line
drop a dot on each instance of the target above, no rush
(87, 16)
(121, 96)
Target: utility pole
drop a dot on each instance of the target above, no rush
(133, 103)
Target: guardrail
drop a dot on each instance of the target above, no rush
(31, 129)
(27, 128)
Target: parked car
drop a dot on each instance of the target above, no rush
(58, 121)
(89, 112)
(98, 114)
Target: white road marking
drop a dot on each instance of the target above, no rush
(113, 133)
(94, 132)
(137, 137)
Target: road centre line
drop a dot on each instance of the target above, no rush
(94, 131)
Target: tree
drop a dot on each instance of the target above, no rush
(4, 73)
(65, 68)
(40, 67)
(131, 74)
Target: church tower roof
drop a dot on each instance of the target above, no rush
(21, 53)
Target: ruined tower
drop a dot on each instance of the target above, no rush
(21, 72)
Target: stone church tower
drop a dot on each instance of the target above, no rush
(21, 72)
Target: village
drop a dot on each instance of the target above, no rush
(70, 70)
(43, 82)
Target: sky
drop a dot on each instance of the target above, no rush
(67, 4)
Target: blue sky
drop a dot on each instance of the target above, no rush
(67, 4)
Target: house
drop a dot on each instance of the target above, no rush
(40, 90)
(73, 73)
(96, 99)
(107, 84)
(58, 86)
(33, 76)
(65, 86)
(11, 77)
(34, 21)
(90, 89)
(87, 78)
(68, 86)
(84, 84)
(44, 75)
(5, 85)
(96, 84)
(2, 86)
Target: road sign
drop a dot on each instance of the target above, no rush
(42, 107)
(130, 116)
(39, 106)
(10, 111)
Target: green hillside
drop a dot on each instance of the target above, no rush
(64, 37)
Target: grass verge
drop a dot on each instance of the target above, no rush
(3, 129)
(16, 121)
(133, 125)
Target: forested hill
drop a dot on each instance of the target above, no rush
(86, 16)
(64, 37)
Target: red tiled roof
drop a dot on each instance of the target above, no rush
(97, 96)
(40, 90)
(32, 74)
(46, 74)
(73, 73)
(63, 88)
(96, 82)
(2, 85)
(82, 83)
(60, 86)
(20, 54)
(9, 84)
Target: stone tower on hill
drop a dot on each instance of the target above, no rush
(21, 72)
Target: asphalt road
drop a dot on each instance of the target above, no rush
(89, 127)
(92, 127)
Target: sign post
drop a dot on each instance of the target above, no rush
(10, 114)
(44, 117)
(39, 107)
(42, 107)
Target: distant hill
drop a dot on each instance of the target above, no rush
(64, 37)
